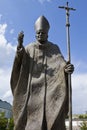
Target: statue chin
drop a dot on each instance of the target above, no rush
(41, 41)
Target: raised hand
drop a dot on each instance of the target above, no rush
(20, 39)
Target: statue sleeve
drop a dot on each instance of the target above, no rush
(16, 68)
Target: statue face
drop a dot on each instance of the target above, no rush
(41, 36)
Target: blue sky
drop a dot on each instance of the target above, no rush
(20, 15)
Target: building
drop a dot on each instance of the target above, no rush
(6, 108)
(76, 123)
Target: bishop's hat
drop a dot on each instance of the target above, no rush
(42, 23)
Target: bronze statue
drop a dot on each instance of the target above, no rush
(39, 83)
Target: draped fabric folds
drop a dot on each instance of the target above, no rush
(39, 88)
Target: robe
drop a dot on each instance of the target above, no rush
(39, 88)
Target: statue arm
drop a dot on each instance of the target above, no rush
(17, 62)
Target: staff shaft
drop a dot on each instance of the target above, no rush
(69, 75)
(69, 60)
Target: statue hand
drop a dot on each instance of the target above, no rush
(20, 39)
(69, 68)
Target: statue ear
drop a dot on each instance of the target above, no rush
(36, 36)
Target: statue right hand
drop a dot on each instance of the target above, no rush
(20, 39)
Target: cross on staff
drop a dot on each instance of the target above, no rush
(67, 8)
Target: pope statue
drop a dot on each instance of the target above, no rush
(39, 83)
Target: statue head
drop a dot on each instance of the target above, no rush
(42, 27)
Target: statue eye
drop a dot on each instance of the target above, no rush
(38, 32)
(41, 33)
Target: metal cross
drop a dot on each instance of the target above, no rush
(67, 8)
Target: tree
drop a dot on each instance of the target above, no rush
(3, 121)
(6, 124)
(10, 124)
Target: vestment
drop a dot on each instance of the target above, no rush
(39, 88)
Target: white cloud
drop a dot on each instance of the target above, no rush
(42, 1)
(7, 52)
(3, 28)
(7, 94)
(79, 81)
(79, 90)
(5, 91)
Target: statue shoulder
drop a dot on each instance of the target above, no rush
(29, 46)
(54, 47)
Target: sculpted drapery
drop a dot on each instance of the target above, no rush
(39, 87)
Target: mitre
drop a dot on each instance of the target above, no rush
(42, 24)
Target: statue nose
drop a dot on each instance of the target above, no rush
(40, 34)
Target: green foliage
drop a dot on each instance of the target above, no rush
(81, 116)
(2, 115)
(83, 125)
(10, 124)
(84, 116)
(3, 121)
(6, 124)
